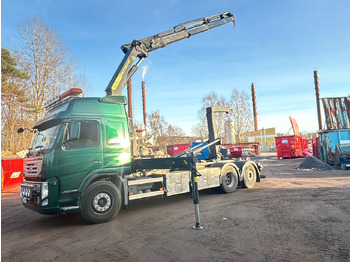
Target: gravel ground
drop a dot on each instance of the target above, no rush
(292, 215)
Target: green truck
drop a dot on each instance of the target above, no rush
(81, 157)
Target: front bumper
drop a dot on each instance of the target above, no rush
(41, 197)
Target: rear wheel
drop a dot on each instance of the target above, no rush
(229, 180)
(249, 176)
(101, 202)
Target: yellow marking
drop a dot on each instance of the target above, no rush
(195, 179)
(185, 162)
(119, 78)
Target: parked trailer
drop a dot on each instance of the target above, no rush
(329, 139)
(342, 156)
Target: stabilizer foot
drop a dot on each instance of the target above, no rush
(197, 227)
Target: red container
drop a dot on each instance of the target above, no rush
(175, 149)
(305, 146)
(316, 147)
(11, 173)
(236, 151)
(305, 143)
(254, 148)
(289, 146)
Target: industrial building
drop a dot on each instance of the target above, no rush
(265, 137)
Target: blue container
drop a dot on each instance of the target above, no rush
(205, 151)
(329, 139)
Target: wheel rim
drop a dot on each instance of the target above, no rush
(229, 179)
(250, 175)
(101, 202)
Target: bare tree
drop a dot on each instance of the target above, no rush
(41, 54)
(157, 126)
(173, 130)
(242, 113)
(200, 130)
(212, 99)
(49, 69)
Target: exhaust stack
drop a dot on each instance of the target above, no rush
(254, 108)
(144, 104)
(129, 99)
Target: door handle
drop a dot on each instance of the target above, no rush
(96, 162)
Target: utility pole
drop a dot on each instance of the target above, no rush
(317, 90)
(254, 108)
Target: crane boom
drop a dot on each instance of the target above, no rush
(140, 48)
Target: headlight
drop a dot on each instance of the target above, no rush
(44, 190)
(45, 202)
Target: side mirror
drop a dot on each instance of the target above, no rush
(21, 130)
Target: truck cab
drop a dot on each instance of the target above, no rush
(79, 139)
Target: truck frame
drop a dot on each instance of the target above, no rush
(81, 157)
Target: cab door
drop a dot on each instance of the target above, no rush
(80, 152)
(116, 150)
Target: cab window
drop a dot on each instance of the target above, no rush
(80, 134)
(115, 134)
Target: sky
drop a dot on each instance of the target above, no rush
(276, 45)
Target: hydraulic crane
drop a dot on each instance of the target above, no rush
(140, 48)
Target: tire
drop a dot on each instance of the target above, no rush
(229, 180)
(101, 202)
(249, 176)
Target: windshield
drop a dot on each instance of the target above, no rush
(45, 139)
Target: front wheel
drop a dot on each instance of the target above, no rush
(101, 202)
(249, 176)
